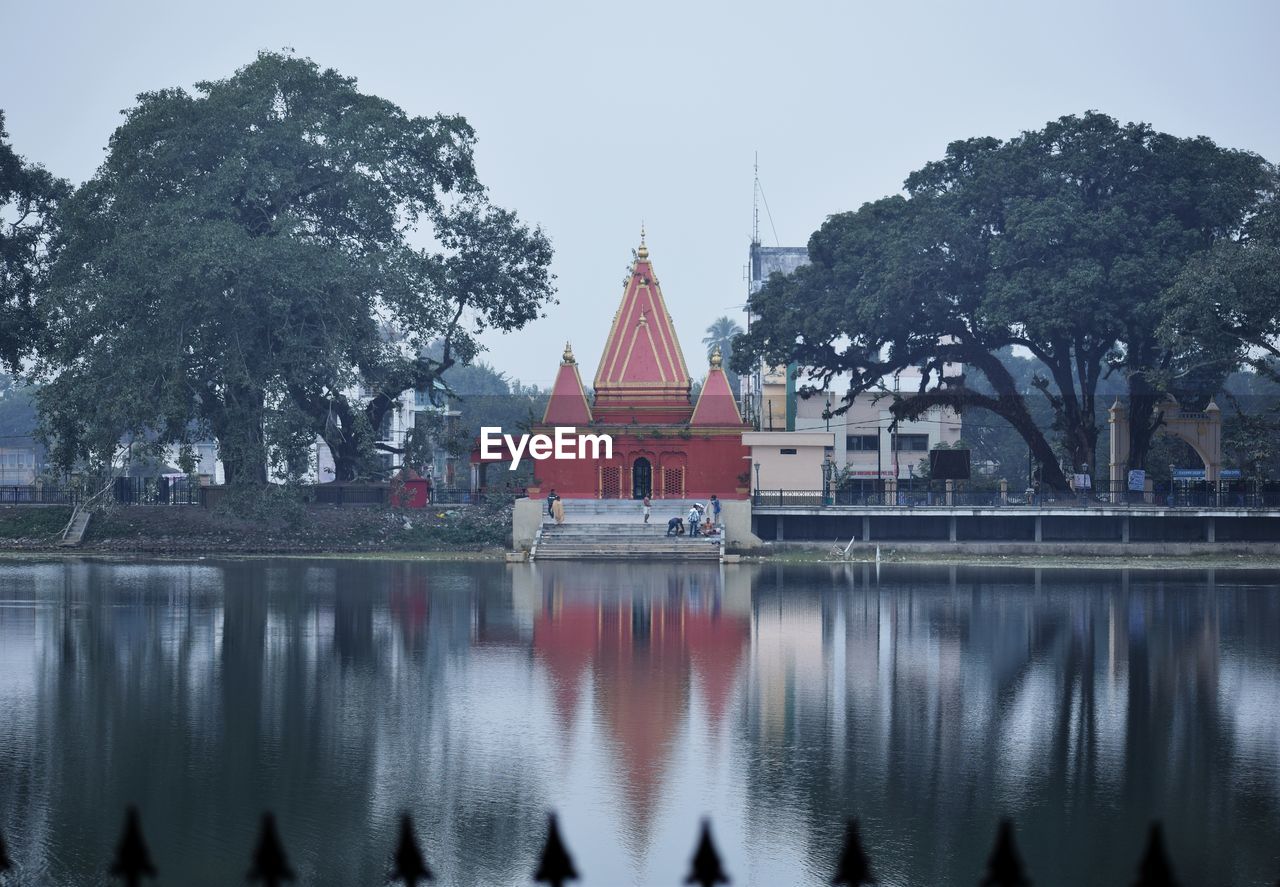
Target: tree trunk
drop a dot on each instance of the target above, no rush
(239, 426)
(346, 455)
(1143, 400)
(1041, 451)
(1011, 404)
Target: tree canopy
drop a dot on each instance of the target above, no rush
(1067, 242)
(29, 194)
(265, 259)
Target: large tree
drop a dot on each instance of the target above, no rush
(29, 194)
(1063, 241)
(266, 259)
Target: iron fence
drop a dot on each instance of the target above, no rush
(851, 865)
(349, 494)
(1232, 494)
(38, 495)
(468, 496)
(166, 491)
(156, 491)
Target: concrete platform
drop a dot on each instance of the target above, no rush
(615, 530)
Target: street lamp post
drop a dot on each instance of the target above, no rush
(879, 466)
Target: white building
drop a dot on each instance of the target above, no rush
(869, 446)
(396, 425)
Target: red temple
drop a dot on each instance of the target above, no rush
(664, 444)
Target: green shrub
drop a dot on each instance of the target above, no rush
(273, 505)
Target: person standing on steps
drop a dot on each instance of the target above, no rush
(715, 510)
(694, 521)
(552, 498)
(557, 510)
(646, 509)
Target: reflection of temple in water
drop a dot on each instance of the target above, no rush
(641, 643)
(926, 699)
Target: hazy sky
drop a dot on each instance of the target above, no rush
(594, 116)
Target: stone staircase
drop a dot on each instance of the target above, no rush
(75, 531)
(597, 529)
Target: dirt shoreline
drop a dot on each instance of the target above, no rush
(495, 555)
(448, 533)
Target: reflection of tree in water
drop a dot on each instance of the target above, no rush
(1083, 708)
(107, 666)
(208, 694)
(478, 817)
(929, 704)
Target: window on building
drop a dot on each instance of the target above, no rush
(913, 443)
(788, 451)
(861, 443)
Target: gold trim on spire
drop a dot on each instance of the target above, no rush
(643, 251)
(716, 359)
(568, 355)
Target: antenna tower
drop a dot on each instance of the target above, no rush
(755, 202)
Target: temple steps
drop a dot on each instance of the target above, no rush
(626, 508)
(618, 541)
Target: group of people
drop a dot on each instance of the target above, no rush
(701, 520)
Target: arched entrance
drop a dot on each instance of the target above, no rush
(1202, 430)
(641, 478)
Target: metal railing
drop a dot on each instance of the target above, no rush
(341, 495)
(467, 496)
(38, 495)
(165, 491)
(156, 491)
(851, 865)
(1232, 494)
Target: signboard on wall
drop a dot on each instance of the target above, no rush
(949, 464)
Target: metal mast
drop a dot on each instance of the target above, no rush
(755, 202)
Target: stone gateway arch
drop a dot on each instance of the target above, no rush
(1202, 430)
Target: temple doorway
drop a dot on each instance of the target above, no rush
(641, 478)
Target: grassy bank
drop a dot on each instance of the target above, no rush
(270, 528)
(32, 524)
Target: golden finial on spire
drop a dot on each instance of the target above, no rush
(716, 359)
(568, 353)
(643, 251)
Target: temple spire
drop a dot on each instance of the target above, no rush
(568, 402)
(642, 364)
(716, 405)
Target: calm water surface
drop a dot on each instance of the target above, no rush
(635, 700)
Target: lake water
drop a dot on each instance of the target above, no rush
(634, 700)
